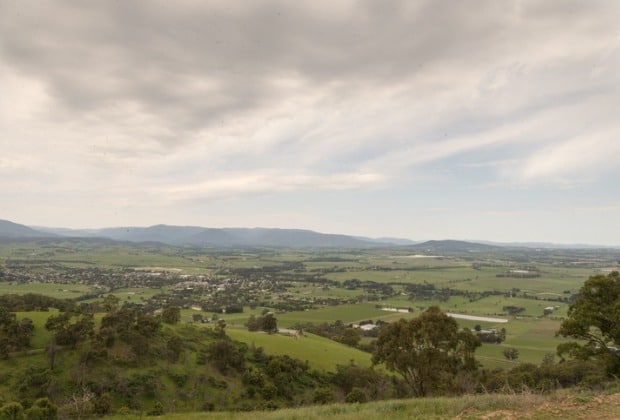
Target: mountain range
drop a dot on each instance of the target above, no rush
(202, 236)
(251, 237)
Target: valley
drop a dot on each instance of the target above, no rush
(330, 305)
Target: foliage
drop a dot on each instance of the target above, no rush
(266, 322)
(12, 411)
(336, 331)
(595, 318)
(544, 378)
(356, 395)
(71, 327)
(132, 361)
(14, 335)
(510, 353)
(42, 409)
(33, 302)
(269, 323)
(428, 351)
(323, 395)
(171, 315)
(350, 337)
(375, 385)
(225, 356)
(157, 410)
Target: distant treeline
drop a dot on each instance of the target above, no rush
(33, 302)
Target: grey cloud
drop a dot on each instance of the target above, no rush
(97, 55)
(170, 71)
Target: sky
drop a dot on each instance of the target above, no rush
(494, 120)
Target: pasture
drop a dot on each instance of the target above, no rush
(62, 291)
(482, 284)
(320, 353)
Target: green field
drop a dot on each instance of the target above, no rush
(70, 269)
(63, 291)
(319, 352)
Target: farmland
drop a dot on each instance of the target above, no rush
(306, 286)
(334, 301)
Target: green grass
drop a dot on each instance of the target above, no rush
(319, 352)
(41, 336)
(345, 313)
(136, 294)
(531, 336)
(63, 291)
(468, 407)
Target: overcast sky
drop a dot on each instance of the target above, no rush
(495, 120)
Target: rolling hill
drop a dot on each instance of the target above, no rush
(15, 230)
(224, 237)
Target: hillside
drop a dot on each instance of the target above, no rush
(563, 405)
(223, 237)
(14, 230)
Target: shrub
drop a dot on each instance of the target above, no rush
(12, 411)
(356, 395)
(323, 396)
(157, 410)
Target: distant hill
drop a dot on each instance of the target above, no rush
(225, 237)
(261, 237)
(15, 230)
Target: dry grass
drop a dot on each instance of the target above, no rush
(562, 405)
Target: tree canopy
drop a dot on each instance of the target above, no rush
(428, 351)
(595, 319)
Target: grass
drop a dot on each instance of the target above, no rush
(41, 336)
(345, 313)
(533, 335)
(320, 353)
(562, 405)
(63, 291)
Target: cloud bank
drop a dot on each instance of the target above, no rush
(114, 104)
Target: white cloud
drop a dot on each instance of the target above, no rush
(235, 184)
(579, 158)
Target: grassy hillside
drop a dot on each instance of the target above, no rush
(562, 405)
(320, 353)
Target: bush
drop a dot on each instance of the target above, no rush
(157, 410)
(323, 396)
(12, 411)
(42, 409)
(102, 404)
(356, 395)
(224, 355)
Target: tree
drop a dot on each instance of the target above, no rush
(225, 355)
(511, 353)
(220, 329)
(171, 315)
(350, 337)
(594, 318)
(269, 323)
(110, 303)
(428, 351)
(70, 333)
(14, 335)
(254, 324)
